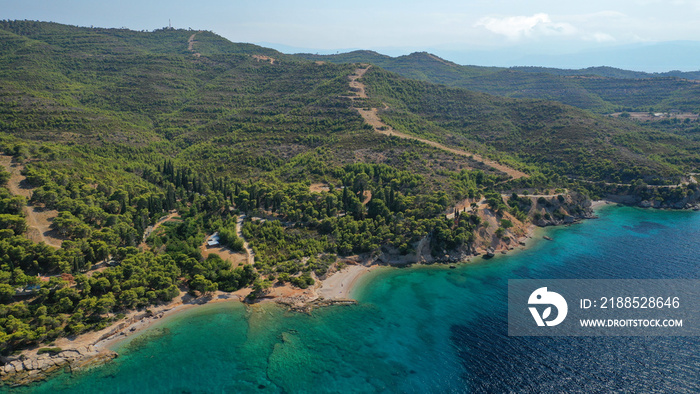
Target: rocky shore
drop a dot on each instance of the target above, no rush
(303, 304)
(93, 348)
(27, 369)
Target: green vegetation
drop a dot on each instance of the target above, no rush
(117, 129)
(600, 89)
(229, 238)
(552, 136)
(50, 350)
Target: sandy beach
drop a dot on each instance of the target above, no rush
(340, 284)
(139, 320)
(600, 203)
(336, 287)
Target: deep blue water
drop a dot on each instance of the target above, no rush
(428, 329)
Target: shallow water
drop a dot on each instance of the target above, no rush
(427, 329)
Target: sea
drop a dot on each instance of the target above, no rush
(427, 329)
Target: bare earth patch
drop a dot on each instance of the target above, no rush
(235, 258)
(38, 219)
(190, 45)
(288, 291)
(656, 117)
(264, 58)
(319, 187)
(366, 197)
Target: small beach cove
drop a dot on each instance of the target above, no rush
(95, 348)
(415, 328)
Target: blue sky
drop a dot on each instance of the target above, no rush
(394, 27)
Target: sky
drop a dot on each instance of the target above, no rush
(519, 28)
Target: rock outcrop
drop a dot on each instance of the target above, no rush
(561, 210)
(33, 368)
(306, 305)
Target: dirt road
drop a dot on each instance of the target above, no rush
(371, 116)
(38, 220)
(246, 246)
(190, 45)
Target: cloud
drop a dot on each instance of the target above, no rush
(599, 37)
(517, 27)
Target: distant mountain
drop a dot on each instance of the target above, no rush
(358, 56)
(601, 89)
(419, 65)
(611, 72)
(649, 57)
(659, 57)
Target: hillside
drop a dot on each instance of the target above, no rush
(574, 142)
(600, 89)
(134, 148)
(154, 91)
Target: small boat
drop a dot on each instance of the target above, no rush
(548, 238)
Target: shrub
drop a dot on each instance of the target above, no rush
(52, 350)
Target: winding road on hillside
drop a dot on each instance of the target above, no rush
(151, 229)
(371, 116)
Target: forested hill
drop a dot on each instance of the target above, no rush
(129, 149)
(601, 89)
(247, 108)
(188, 90)
(82, 41)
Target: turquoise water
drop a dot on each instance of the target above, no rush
(426, 329)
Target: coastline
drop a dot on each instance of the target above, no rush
(97, 347)
(138, 321)
(341, 284)
(338, 287)
(597, 204)
(374, 286)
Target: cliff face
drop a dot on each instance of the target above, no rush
(491, 236)
(487, 238)
(496, 230)
(560, 210)
(688, 200)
